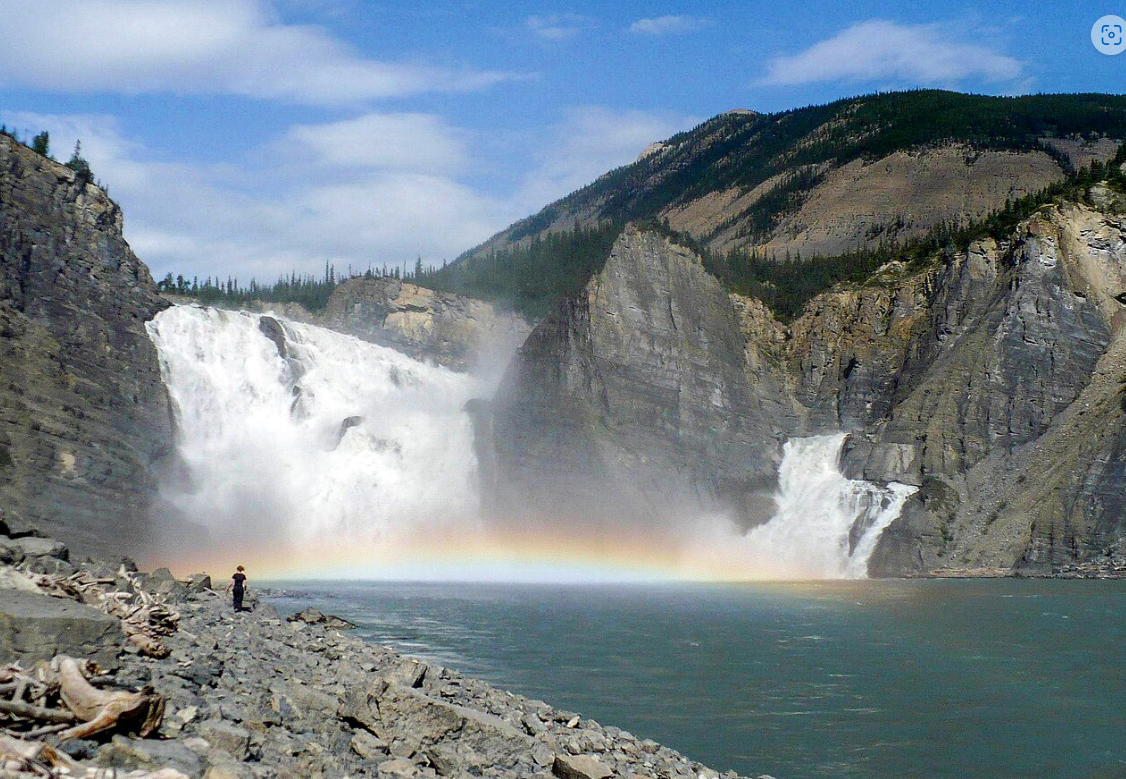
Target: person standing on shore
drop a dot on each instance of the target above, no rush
(237, 587)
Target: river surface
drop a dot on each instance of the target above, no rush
(882, 680)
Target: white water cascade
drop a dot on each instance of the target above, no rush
(340, 439)
(308, 451)
(826, 525)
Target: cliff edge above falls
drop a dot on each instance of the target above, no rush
(453, 330)
(85, 422)
(990, 375)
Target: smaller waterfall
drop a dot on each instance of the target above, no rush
(826, 525)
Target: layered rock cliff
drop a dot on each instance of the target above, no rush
(85, 422)
(453, 330)
(992, 378)
(643, 397)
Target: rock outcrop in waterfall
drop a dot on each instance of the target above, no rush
(993, 379)
(85, 422)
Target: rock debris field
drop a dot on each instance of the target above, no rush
(235, 696)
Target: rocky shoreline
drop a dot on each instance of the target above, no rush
(252, 695)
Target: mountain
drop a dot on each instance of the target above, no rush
(991, 376)
(856, 174)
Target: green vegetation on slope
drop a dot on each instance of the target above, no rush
(532, 269)
(309, 291)
(742, 151)
(533, 277)
(787, 286)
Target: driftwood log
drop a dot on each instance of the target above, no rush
(100, 710)
(59, 699)
(35, 758)
(145, 617)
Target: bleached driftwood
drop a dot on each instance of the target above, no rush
(59, 699)
(100, 710)
(144, 616)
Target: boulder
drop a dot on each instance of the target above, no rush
(131, 754)
(198, 582)
(309, 616)
(41, 547)
(368, 746)
(172, 591)
(37, 627)
(408, 673)
(399, 768)
(579, 767)
(224, 736)
(10, 552)
(14, 525)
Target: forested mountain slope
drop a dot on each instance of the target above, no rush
(808, 184)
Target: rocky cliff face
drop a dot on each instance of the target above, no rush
(643, 396)
(994, 380)
(85, 422)
(1011, 417)
(453, 330)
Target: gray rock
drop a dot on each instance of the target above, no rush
(10, 554)
(228, 769)
(642, 399)
(579, 767)
(41, 547)
(369, 746)
(409, 672)
(224, 736)
(130, 754)
(199, 582)
(86, 425)
(37, 627)
(397, 768)
(309, 616)
(454, 331)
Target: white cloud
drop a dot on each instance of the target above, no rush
(257, 219)
(379, 188)
(197, 47)
(668, 25)
(589, 142)
(557, 27)
(401, 141)
(922, 54)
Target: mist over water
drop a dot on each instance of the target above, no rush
(315, 453)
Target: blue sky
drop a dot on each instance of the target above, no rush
(249, 137)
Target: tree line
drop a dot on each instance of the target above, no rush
(41, 145)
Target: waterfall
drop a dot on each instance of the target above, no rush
(826, 526)
(309, 450)
(297, 431)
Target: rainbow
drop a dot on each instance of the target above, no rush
(540, 554)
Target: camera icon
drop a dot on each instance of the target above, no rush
(1107, 35)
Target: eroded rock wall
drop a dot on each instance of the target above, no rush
(635, 398)
(453, 330)
(85, 422)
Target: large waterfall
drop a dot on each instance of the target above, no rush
(337, 439)
(309, 451)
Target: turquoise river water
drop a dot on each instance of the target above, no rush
(882, 680)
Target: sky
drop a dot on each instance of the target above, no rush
(249, 138)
